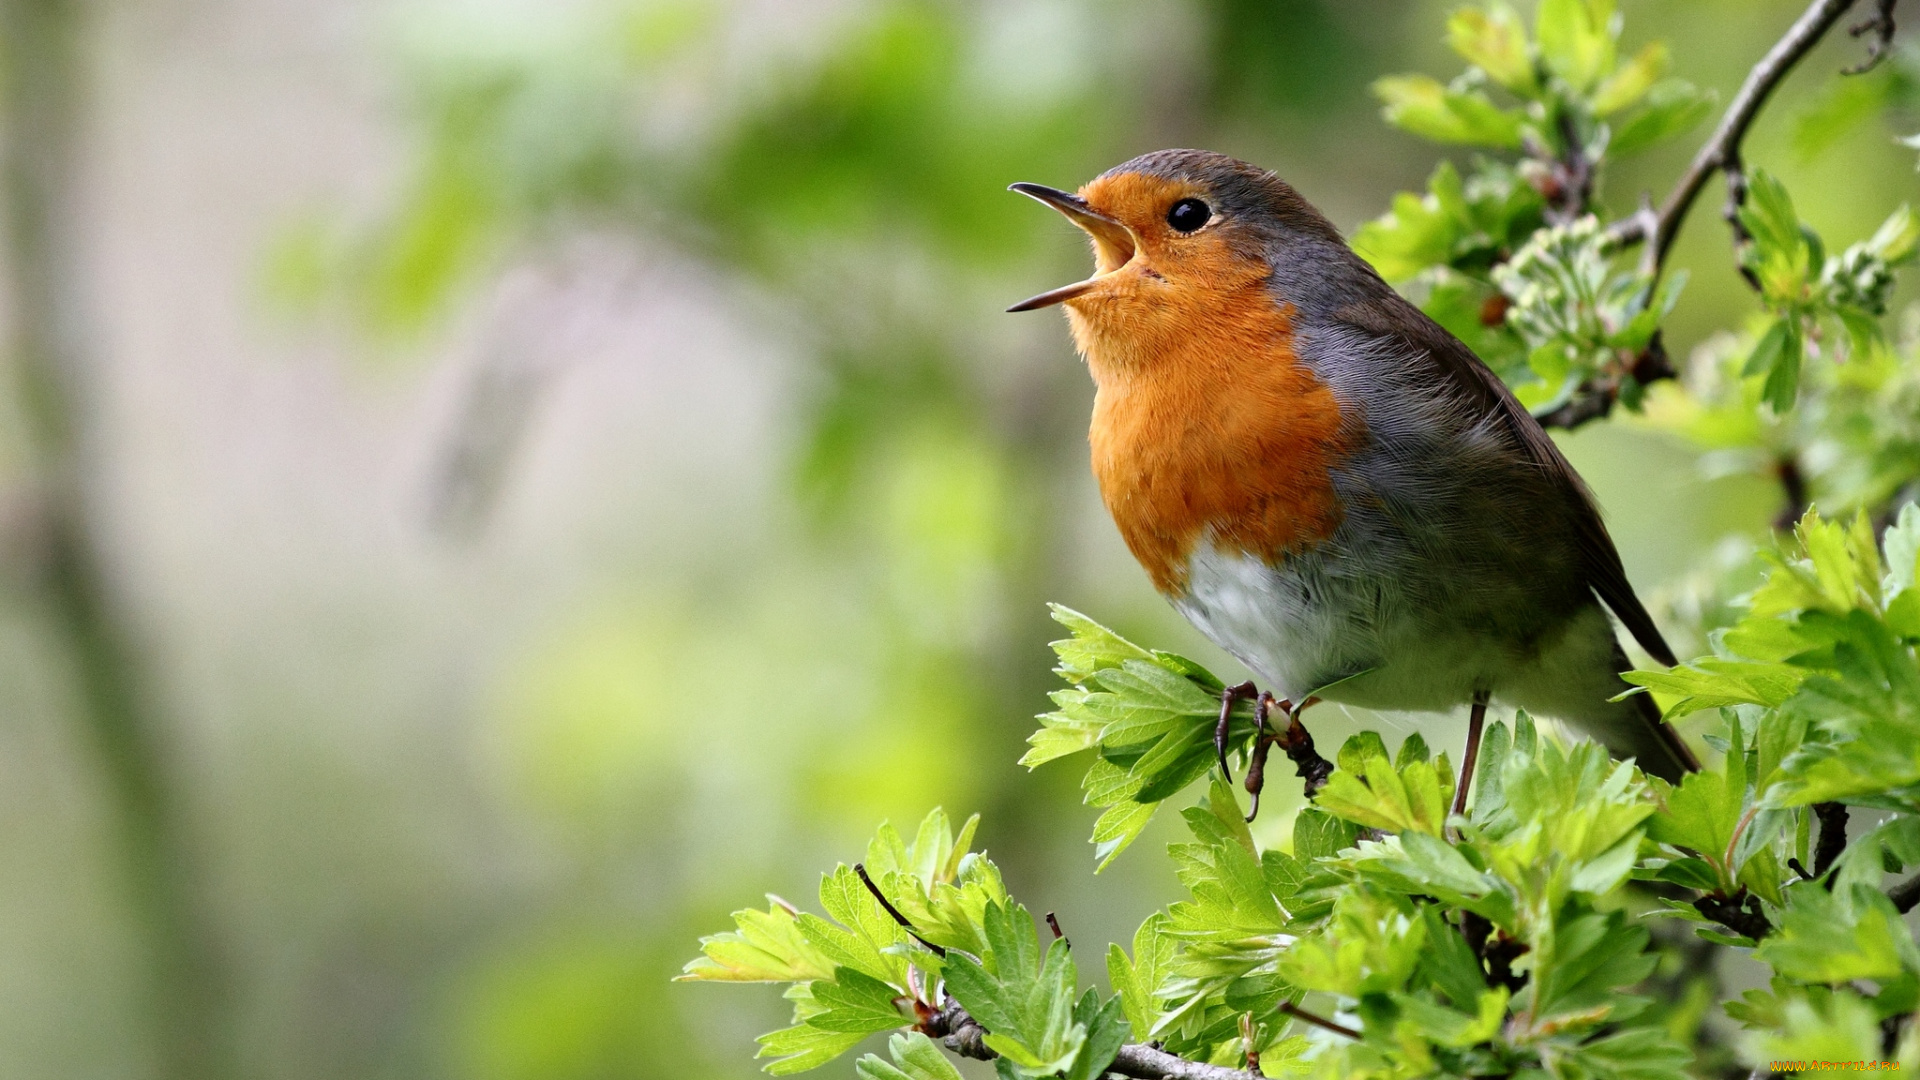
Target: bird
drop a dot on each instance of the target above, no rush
(1327, 483)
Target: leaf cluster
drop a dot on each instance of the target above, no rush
(1504, 257)
(859, 971)
(1810, 293)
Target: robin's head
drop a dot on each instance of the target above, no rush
(1180, 235)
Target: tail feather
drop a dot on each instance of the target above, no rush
(1662, 752)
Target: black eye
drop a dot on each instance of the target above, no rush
(1188, 215)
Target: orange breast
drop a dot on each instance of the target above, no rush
(1207, 425)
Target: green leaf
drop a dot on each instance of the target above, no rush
(1318, 834)
(866, 935)
(1768, 214)
(1672, 107)
(1576, 39)
(1380, 797)
(1782, 387)
(914, 1058)
(1421, 105)
(1136, 982)
(804, 1047)
(1092, 647)
(1817, 1026)
(1712, 683)
(1833, 937)
(1025, 999)
(1631, 80)
(1494, 40)
(1902, 545)
(1371, 945)
(1581, 965)
(854, 1002)
(1703, 812)
(1898, 238)
(767, 947)
(1106, 1027)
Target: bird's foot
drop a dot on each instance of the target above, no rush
(1295, 741)
(1246, 691)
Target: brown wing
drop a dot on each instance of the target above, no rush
(1392, 316)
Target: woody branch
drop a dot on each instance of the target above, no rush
(1721, 151)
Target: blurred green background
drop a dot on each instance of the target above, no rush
(557, 470)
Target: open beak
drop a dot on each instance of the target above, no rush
(1113, 244)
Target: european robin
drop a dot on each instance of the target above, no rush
(1328, 484)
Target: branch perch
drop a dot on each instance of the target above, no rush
(1721, 151)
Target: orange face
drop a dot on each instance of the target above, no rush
(1164, 265)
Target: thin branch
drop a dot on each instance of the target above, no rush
(861, 869)
(1298, 744)
(1880, 25)
(1316, 1020)
(1833, 835)
(1722, 149)
(963, 1035)
(1740, 913)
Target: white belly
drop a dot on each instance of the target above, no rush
(1319, 619)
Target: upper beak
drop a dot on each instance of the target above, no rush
(1113, 242)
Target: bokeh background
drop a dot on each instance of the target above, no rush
(489, 487)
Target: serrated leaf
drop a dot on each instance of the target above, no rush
(914, 1058)
(1832, 937)
(1136, 981)
(803, 1047)
(768, 946)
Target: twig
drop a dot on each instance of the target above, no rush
(1316, 1020)
(964, 1036)
(1298, 744)
(1880, 25)
(958, 1031)
(1053, 924)
(1739, 913)
(1722, 149)
(1571, 174)
(1793, 485)
(1833, 835)
(1149, 1063)
(861, 869)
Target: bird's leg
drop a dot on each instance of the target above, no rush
(1476, 720)
(1244, 692)
(1263, 741)
(1298, 744)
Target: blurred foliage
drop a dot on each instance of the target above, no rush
(852, 182)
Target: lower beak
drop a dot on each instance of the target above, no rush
(1113, 243)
